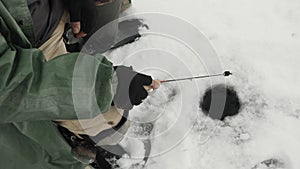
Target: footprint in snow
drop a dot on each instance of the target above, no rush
(270, 164)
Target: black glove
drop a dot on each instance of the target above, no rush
(83, 11)
(130, 90)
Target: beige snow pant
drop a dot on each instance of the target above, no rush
(55, 47)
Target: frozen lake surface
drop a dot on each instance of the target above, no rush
(259, 42)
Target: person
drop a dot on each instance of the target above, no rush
(36, 85)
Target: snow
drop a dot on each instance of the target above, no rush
(257, 40)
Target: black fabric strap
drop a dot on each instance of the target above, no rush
(70, 137)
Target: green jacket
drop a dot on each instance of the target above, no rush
(34, 92)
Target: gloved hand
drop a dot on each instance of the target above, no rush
(82, 16)
(130, 90)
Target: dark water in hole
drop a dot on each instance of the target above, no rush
(230, 103)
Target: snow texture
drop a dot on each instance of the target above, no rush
(259, 42)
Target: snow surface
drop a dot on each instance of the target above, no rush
(259, 41)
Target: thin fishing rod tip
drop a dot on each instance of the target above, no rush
(227, 73)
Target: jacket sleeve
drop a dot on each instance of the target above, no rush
(33, 89)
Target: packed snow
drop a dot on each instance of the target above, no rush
(259, 42)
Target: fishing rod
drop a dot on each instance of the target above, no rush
(226, 73)
(156, 83)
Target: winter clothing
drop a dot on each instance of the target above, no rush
(83, 11)
(55, 45)
(33, 92)
(45, 15)
(130, 90)
(94, 126)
